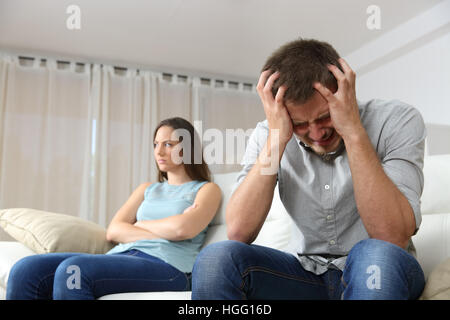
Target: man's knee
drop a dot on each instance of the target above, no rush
(219, 255)
(379, 269)
(216, 270)
(373, 254)
(375, 249)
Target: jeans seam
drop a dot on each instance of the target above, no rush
(330, 286)
(344, 286)
(139, 279)
(135, 253)
(36, 295)
(411, 277)
(343, 281)
(280, 274)
(188, 286)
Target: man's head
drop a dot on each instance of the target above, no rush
(300, 64)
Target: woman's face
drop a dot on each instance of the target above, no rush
(164, 149)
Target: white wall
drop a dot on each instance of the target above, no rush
(420, 77)
(411, 63)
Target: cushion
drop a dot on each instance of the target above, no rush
(45, 232)
(225, 181)
(10, 253)
(438, 283)
(432, 241)
(436, 172)
(276, 230)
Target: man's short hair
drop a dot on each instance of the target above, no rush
(301, 63)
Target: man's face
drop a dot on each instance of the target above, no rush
(313, 125)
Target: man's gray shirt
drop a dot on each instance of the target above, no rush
(319, 195)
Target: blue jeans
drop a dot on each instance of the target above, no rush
(79, 276)
(374, 269)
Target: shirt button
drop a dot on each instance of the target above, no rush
(327, 187)
(332, 242)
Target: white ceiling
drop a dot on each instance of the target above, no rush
(230, 38)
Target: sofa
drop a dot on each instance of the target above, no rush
(432, 241)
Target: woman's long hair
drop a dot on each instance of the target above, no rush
(196, 171)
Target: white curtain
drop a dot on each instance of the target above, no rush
(233, 113)
(43, 134)
(124, 113)
(77, 138)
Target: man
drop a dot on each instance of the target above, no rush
(350, 176)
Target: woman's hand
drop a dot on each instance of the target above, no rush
(122, 228)
(193, 219)
(142, 224)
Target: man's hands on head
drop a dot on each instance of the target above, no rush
(343, 106)
(276, 113)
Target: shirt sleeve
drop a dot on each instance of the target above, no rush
(403, 161)
(255, 144)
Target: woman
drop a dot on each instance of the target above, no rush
(159, 231)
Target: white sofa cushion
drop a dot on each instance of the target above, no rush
(435, 196)
(432, 241)
(10, 253)
(438, 284)
(276, 230)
